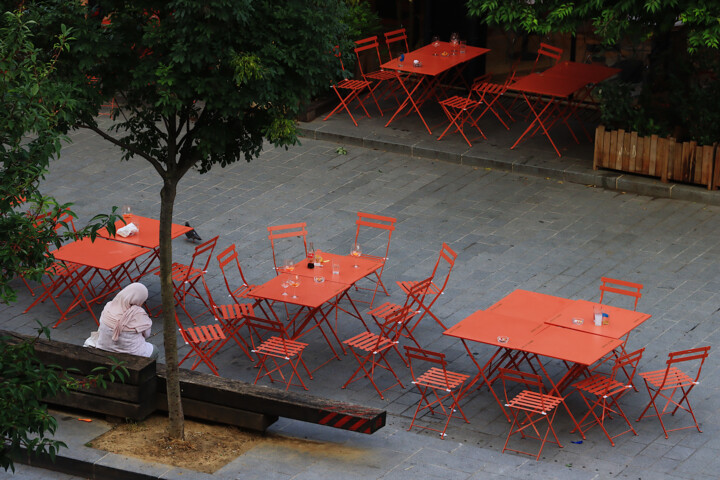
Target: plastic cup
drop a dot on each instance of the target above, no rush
(336, 269)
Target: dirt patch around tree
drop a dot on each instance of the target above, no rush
(207, 447)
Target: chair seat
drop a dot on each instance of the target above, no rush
(282, 348)
(407, 285)
(382, 75)
(369, 342)
(458, 102)
(675, 378)
(182, 272)
(534, 402)
(601, 385)
(350, 84)
(436, 378)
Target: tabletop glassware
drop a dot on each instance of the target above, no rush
(295, 284)
(126, 212)
(436, 44)
(285, 284)
(454, 40)
(355, 252)
(288, 265)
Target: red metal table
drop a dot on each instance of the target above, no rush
(543, 93)
(148, 236)
(311, 298)
(104, 259)
(432, 70)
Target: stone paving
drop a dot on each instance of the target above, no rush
(510, 231)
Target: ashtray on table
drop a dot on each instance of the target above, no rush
(502, 339)
(578, 321)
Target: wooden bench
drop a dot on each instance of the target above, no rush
(134, 398)
(204, 396)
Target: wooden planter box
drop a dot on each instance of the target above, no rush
(666, 158)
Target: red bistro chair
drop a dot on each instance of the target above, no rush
(381, 225)
(663, 385)
(204, 342)
(185, 278)
(621, 287)
(277, 352)
(233, 318)
(290, 230)
(439, 388)
(371, 349)
(529, 408)
(367, 52)
(348, 90)
(435, 289)
(605, 391)
(226, 260)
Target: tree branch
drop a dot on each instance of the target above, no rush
(131, 148)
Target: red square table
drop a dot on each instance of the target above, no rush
(311, 298)
(109, 261)
(148, 236)
(433, 68)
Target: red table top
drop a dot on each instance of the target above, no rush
(148, 232)
(434, 64)
(102, 253)
(549, 84)
(538, 307)
(570, 345)
(310, 293)
(488, 327)
(589, 72)
(621, 321)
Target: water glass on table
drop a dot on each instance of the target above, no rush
(356, 251)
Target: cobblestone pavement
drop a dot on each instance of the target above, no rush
(510, 232)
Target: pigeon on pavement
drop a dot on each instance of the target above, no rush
(192, 234)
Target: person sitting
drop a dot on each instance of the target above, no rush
(124, 324)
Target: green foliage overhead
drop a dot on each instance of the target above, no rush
(611, 20)
(38, 108)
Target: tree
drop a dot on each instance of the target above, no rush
(199, 83)
(38, 108)
(611, 21)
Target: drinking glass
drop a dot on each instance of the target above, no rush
(436, 44)
(126, 212)
(355, 252)
(288, 265)
(295, 284)
(285, 284)
(454, 40)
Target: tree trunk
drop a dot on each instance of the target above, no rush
(176, 426)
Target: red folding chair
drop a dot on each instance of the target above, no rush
(232, 317)
(621, 287)
(628, 289)
(291, 230)
(489, 95)
(381, 226)
(459, 110)
(529, 408)
(439, 388)
(204, 342)
(664, 384)
(367, 52)
(447, 260)
(371, 349)
(225, 260)
(185, 278)
(602, 392)
(351, 90)
(413, 301)
(395, 41)
(276, 352)
(547, 56)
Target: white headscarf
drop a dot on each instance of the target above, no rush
(124, 312)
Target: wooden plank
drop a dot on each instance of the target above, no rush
(625, 145)
(716, 166)
(606, 150)
(597, 152)
(632, 154)
(655, 169)
(706, 157)
(202, 410)
(122, 391)
(104, 405)
(643, 160)
(276, 402)
(615, 152)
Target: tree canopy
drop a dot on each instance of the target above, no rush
(611, 20)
